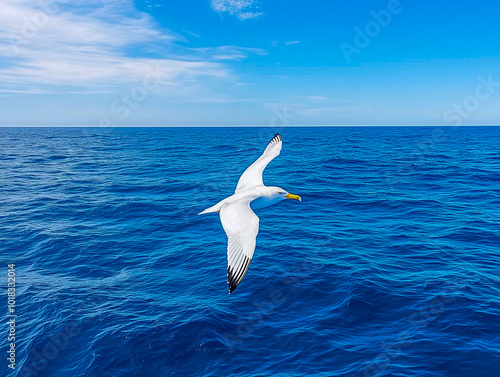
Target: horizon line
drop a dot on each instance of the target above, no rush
(250, 126)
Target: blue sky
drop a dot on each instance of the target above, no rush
(249, 62)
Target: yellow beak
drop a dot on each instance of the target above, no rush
(291, 196)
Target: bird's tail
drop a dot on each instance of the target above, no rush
(215, 208)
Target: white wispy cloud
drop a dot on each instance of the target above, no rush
(227, 52)
(291, 43)
(308, 106)
(322, 99)
(317, 98)
(321, 110)
(243, 9)
(90, 45)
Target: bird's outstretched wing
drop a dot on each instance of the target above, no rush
(253, 175)
(241, 225)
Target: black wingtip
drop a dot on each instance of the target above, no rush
(234, 277)
(276, 138)
(231, 281)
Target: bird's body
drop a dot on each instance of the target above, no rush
(239, 221)
(257, 196)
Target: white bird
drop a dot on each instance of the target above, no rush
(240, 223)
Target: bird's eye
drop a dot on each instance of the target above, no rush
(280, 193)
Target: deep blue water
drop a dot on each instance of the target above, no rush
(390, 265)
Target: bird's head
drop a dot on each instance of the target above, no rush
(279, 193)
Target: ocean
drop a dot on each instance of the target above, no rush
(390, 265)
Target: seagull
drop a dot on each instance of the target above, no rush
(239, 221)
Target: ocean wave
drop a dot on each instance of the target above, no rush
(388, 267)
